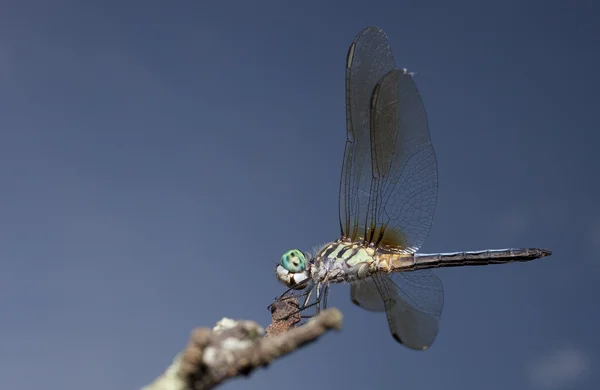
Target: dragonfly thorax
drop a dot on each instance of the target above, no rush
(343, 262)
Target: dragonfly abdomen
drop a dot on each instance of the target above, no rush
(484, 257)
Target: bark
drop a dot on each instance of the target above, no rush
(238, 347)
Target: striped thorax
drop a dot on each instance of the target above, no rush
(338, 262)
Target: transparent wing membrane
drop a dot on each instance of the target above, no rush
(369, 59)
(388, 188)
(404, 184)
(364, 293)
(412, 301)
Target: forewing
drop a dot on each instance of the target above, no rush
(369, 59)
(403, 191)
(413, 303)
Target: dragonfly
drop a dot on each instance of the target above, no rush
(387, 198)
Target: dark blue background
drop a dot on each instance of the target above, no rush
(159, 157)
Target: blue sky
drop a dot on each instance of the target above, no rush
(158, 158)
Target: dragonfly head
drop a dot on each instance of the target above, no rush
(293, 269)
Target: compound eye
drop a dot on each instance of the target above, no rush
(294, 261)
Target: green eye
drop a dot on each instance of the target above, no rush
(294, 261)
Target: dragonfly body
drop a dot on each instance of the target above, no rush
(349, 262)
(387, 198)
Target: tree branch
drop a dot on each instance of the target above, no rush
(236, 348)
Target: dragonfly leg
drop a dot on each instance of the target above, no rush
(285, 317)
(318, 300)
(298, 286)
(306, 304)
(304, 308)
(316, 303)
(285, 296)
(309, 295)
(325, 294)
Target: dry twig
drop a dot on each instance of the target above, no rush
(236, 348)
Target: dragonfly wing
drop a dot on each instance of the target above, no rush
(364, 293)
(413, 304)
(403, 191)
(369, 59)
